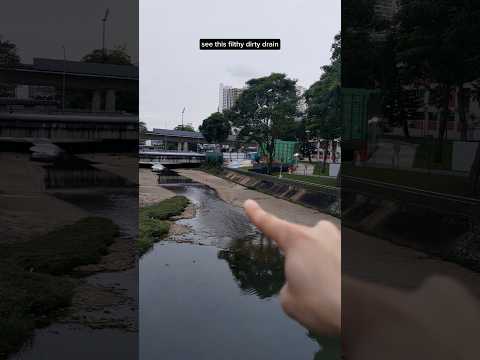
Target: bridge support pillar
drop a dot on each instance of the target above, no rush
(179, 146)
(110, 101)
(96, 100)
(185, 146)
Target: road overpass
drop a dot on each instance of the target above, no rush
(176, 140)
(67, 127)
(170, 159)
(102, 82)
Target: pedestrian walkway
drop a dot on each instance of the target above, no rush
(400, 155)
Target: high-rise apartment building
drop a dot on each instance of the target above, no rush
(227, 97)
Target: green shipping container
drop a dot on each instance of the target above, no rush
(358, 105)
(354, 114)
(214, 157)
(284, 151)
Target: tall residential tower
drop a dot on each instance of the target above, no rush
(227, 97)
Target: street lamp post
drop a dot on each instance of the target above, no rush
(183, 111)
(64, 77)
(104, 21)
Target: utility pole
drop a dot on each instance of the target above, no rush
(183, 111)
(104, 21)
(64, 77)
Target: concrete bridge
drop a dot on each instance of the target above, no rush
(176, 140)
(67, 127)
(170, 159)
(173, 140)
(102, 82)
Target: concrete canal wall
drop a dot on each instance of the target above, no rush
(446, 226)
(236, 195)
(322, 198)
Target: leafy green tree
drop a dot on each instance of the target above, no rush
(184, 128)
(265, 112)
(8, 53)
(256, 267)
(303, 136)
(117, 56)
(323, 101)
(8, 57)
(359, 48)
(438, 46)
(215, 129)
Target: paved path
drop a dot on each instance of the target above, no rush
(149, 190)
(26, 210)
(236, 195)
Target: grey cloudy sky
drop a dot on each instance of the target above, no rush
(174, 73)
(40, 28)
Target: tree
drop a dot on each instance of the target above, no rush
(184, 128)
(117, 56)
(303, 136)
(142, 128)
(358, 47)
(438, 47)
(256, 267)
(323, 101)
(265, 112)
(215, 129)
(8, 53)
(8, 57)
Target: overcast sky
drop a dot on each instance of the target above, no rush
(40, 28)
(174, 73)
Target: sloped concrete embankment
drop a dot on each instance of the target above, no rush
(443, 227)
(321, 198)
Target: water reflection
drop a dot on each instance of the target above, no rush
(256, 266)
(72, 172)
(218, 301)
(169, 177)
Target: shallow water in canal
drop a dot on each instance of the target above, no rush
(79, 186)
(212, 293)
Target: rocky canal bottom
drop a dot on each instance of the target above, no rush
(210, 289)
(103, 317)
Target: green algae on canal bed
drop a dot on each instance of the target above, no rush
(60, 251)
(153, 220)
(33, 285)
(28, 300)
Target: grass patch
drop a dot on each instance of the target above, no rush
(211, 169)
(153, 221)
(27, 300)
(425, 157)
(447, 184)
(318, 169)
(165, 209)
(316, 180)
(150, 231)
(60, 251)
(32, 285)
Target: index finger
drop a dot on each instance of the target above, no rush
(274, 228)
